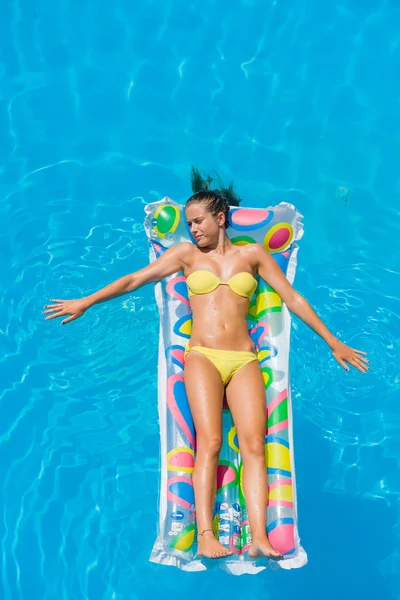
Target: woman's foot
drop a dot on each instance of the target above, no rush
(262, 547)
(209, 547)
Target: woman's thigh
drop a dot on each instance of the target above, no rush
(205, 392)
(245, 395)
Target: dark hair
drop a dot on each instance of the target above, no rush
(217, 200)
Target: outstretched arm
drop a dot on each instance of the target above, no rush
(270, 271)
(168, 263)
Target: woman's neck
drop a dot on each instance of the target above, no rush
(221, 247)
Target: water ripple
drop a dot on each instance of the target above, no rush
(104, 108)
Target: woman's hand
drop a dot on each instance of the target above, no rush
(60, 308)
(344, 354)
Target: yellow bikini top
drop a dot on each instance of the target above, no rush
(203, 282)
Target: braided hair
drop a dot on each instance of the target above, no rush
(217, 201)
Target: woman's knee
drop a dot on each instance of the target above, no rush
(209, 444)
(252, 445)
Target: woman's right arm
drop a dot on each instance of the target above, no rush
(171, 261)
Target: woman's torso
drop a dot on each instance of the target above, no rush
(219, 317)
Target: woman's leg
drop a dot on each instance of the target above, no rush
(245, 395)
(205, 393)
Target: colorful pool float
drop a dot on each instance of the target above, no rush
(278, 229)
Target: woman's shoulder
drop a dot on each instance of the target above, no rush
(253, 255)
(186, 251)
(186, 247)
(251, 250)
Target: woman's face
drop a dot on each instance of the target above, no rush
(203, 226)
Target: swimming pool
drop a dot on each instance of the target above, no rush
(103, 110)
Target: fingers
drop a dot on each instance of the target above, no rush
(354, 361)
(62, 314)
(58, 314)
(56, 300)
(341, 362)
(352, 357)
(71, 318)
(361, 360)
(54, 309)
(360, 366)
(360, 363)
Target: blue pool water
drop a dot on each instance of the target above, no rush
(103, 108)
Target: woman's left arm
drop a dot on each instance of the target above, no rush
(270, 271)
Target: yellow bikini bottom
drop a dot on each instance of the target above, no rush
(227, 362)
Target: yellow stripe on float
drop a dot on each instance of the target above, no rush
(277, 456)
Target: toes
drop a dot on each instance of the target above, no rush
(221, 553)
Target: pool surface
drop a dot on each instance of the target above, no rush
(103, 109)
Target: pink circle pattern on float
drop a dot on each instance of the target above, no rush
(281, 535)
(181, 459)
(279, 237)
(247, 219)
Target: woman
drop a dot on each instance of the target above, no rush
(220, 358)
